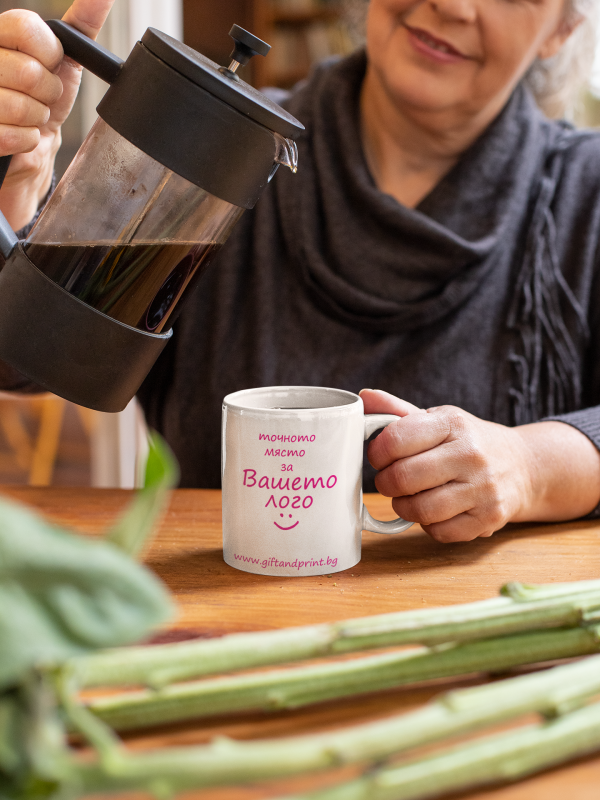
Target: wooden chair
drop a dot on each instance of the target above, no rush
(118, 442)
(36, 452)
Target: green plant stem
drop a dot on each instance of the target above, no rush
(224, 761)
(132, 529)
(292, 688)
(526, 608)
(506, 757)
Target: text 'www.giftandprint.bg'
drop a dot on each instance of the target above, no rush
(296, 564)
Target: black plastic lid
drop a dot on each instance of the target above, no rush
(206, 74)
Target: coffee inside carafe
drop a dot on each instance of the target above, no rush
(135, 263)
(138, 284)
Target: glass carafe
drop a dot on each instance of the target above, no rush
(135, 263)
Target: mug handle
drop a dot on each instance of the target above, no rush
(373, 422)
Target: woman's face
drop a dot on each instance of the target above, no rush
(460, 56)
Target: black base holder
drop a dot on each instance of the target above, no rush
(102, 362)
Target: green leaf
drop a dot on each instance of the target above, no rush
(161, 466)
(162, 473)
(62, 595)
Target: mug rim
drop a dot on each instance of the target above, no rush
(232, 400)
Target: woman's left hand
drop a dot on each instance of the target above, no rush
(461, 477)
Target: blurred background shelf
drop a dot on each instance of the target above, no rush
(300, 32)
(325, 13)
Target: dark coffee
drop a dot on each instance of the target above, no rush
(137, 284)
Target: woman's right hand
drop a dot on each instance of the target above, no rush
(37, 91)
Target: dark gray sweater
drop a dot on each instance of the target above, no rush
(485, 296)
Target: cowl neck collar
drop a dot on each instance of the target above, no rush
(368, 259)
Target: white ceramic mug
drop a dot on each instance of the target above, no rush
(292, 480)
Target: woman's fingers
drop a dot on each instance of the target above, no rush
(18, 109)
(32, 63)
(88, 16)
(25, 73)
(461, 528)
(21, 118)
(408, 476)
(486, 512)
(16, 139)
(25, 32)
(377, 401)
(434, 505)
(415, 434)
(29, 55)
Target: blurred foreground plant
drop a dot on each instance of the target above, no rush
(64, 600)
(63, 595)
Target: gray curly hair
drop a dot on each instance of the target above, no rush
(557, 82)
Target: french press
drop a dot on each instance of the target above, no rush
(181, 147)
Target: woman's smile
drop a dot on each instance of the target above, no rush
(432, 47)
(455, 60)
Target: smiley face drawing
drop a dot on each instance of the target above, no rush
(289, 528)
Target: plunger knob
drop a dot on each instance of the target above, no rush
(246, 46)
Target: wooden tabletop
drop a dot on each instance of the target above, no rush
(399, 572)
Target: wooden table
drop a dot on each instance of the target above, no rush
(398, 572)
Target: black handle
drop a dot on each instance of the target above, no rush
(246, 45)
(86, 51)
(8, 238)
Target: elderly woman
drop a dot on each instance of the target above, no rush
(440, 242)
